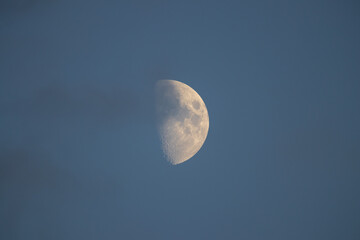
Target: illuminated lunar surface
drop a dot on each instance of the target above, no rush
(183, 120)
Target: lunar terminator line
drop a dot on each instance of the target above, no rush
(183, 120)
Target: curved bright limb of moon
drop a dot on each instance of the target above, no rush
(183, 120)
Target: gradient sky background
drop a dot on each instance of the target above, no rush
(80, 157)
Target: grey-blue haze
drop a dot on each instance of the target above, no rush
(79, 153)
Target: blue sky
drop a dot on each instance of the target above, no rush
(80, 156)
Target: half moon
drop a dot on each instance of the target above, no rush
(183, 120)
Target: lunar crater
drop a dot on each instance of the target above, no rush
(196, 105)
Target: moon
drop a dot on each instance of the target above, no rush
(183, 120)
